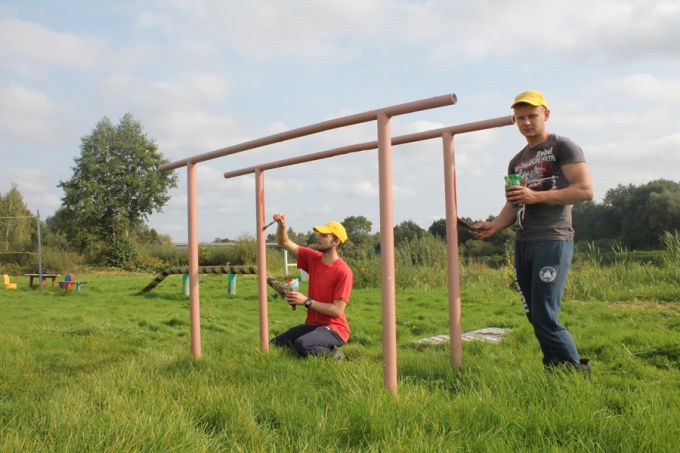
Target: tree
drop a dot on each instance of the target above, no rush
(16, 233)
(615, 205)
(360, 241)
(407, 230)
(358, 228)
(651, 210)
(587, 220)
(438, 230)
(116, 185)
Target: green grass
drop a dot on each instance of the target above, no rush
(108, 369)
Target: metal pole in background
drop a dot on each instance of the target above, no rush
(40, 272)
(261, 261)
(194, 300)
(389, 317)
(285, 262)
(455, 335)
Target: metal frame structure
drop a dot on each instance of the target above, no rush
(384, 145)
(39, 253)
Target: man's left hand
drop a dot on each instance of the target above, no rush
(521, 195)
(295, 297)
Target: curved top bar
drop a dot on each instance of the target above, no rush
(398, 109)
(365, 146)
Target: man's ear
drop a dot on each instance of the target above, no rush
(547, 113)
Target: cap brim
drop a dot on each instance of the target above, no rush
(526, 102)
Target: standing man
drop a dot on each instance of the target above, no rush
(330, 284)
(553, 176)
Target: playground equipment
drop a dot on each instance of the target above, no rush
(6, 283)
(70, 282)
(230, 270)
(384, 145)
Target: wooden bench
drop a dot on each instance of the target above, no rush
(43, 277)
(70, 283)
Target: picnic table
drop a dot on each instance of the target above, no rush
(45, 276)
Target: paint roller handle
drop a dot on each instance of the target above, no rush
(279, 288)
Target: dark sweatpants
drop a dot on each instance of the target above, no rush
(309, 340)
(541, 274)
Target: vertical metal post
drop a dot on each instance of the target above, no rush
(194, 301)
(389, 318)
(40, 269)
(455, 340)
(285, 262)
(261, 261)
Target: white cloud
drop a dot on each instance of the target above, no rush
(347, 30)
(362, 189)
(28, 115)
(29, 43)
(180, 112)
(197, 90)
(608, 29)
(633, 162)
(630, 108)
(645, 89)
(35, 186)
(662, 153)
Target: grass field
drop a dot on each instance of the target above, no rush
(108, 369)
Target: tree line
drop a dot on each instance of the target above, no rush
(116, 184)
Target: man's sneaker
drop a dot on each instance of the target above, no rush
(585, 368)
(337, 354)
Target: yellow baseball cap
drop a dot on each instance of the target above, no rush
(531, 97)
(334, 228)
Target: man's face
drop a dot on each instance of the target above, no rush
(531, 120)
(325, 241)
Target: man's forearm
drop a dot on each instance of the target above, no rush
(505, 218)
(283, 241)
(281, 235)
(575, 193)
(333, 310)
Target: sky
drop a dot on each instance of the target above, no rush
(206, 74)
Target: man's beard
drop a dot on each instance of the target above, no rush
(322, 249)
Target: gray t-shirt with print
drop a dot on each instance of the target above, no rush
(540, 168)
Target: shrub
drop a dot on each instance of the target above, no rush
(61, 260)
(121, 252)
(671, 255)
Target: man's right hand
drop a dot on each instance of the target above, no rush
(280, 218)
(483, 230)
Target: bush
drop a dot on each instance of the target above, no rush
(671, 255)
(366, 272)
(52, 258)
(121, 252)
(148, 263)
(63, 261)
(169, 254)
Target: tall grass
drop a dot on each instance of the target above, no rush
(241, 252)
(108, 369)
(672, 248)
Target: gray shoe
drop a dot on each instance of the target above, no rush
(337, 354)
(585, 368)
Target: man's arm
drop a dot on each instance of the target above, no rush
(504, 219)
(580, 189)
(333, 310)
(282, 235)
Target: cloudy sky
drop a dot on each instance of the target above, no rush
(205, 74)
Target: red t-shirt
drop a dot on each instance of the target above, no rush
(326, 284)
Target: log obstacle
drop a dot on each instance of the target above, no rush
(273, 283)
